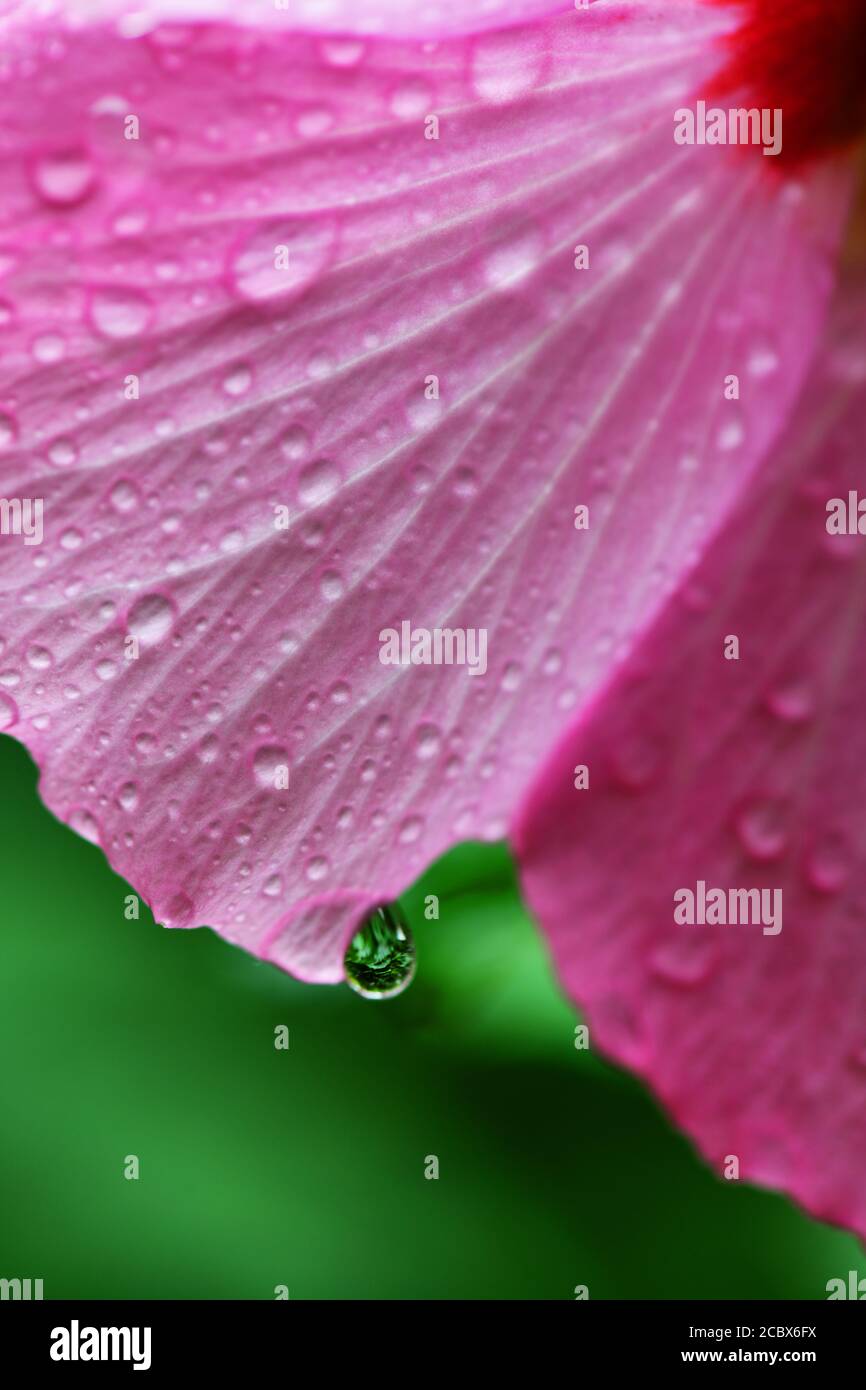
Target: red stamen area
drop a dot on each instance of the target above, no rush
(806, 58)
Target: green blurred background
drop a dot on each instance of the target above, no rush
(306, 1167)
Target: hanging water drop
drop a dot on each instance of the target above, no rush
(380, 961)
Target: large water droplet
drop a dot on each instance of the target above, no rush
(380, 961)
(282, 257)
(117, 313)
(150, 619)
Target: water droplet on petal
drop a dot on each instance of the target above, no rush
(332, 586)
(422, 413)
(271, 767)
(124, 496)
(117, 313)
(64, 179)
(686, 959)
(238, 381)
(39, 658)
(8, 712)
(380, 961)
(295, 443)
(763, 360)
(342, 53)
(316, 120)
(85, 825)
(48, 348)
(411, 829)
(131, 222)
(320, 364)
(63, 453)
(465, 484)
(511, 676)
(150, 618)
(180, 912)
(428, 741)
(762, 830)
(412, 99)
(208, 749)
(128, 796)
(318, 868)
(317, 482)
(283, 257)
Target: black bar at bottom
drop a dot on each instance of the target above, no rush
(155, 1338)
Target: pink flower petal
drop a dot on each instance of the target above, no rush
(168, 388)
(742, 774)
(400, 18)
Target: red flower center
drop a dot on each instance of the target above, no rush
(806, 58)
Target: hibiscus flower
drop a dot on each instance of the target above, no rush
(417, 427)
